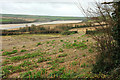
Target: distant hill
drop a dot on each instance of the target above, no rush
(14, 18)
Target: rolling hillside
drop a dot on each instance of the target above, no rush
(13, 18)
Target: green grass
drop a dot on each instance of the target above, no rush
(25, 63)
(61, 73)
(5, 20)
(11, 69)
(53, 46)
(23, 46)
(24, 66)
(57, 73)
(76, 45)
(39, 44)
(55, 62)
(78, 37)
(84, 55)
(54, 66)
(41, 59)
(60, 50)
(53, 41)
(68, 32)
(75, 40)
(84, 65)
(60, 60)
(83, 35)
(25, 56)
(42, 18)
(90, 51)
(62, 55)
(74, 62)
(8, 53)
(49, 58)
(14, 47)
(61, 40)
(23, 50)
(12, 20)
(52, 53)
(33, 74)
(76, 57)
(47, 42)
(51, 62)
(5, 62)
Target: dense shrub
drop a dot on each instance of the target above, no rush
(68, 32)
(108, 43)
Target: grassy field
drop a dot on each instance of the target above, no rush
(37, 18)
(14, 20)
(5, 20)
(48, 55)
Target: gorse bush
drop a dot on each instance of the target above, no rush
(109, 56)
(108, 42)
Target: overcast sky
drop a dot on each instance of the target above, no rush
(44, 7)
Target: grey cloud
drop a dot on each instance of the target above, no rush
(57, 9)
(44, 7)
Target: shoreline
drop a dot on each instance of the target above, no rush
(17, 26)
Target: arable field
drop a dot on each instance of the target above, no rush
(47, 55)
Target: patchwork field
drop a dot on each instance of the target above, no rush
(18, 19)
(47, 55)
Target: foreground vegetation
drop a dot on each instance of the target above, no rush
(72, 58)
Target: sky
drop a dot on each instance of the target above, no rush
(45, 7)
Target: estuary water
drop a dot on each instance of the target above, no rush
(14, 26)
